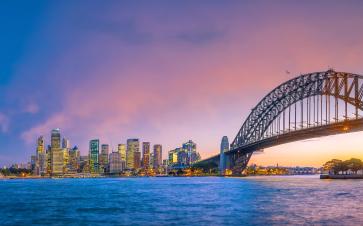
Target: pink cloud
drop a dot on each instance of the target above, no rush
(32, 108)
(170, 90)
(4, 123)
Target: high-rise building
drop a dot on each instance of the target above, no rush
(74, 160)
(56, 153)
(151, 162)
(48, 154)
(182, 157)
(33, 160)
(55, 138)
(84, 164)
(132, 147)
(65, 159)
(137, 160)
(94, 147)
(145, 155)
(191, 149)
(121, 148)
(115, 163)
(41, 158)
(222, 160)
(158, 161)
(66, 144)
(104, 158)
(173, 157)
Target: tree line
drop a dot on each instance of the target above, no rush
(14, 171)
(336, 166)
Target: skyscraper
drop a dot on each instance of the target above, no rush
(55, 138)
(121, 148)
(132, 147)
(41, 159)
(146, 155)
(173, 157)
(191, 149)
(84, 164)
(48, 154)
(115, 163)
(157, 156)
(56, 153)
(74, 160)
(137, 160)
(222, 159)
(104, 158)
(66, 144)
(94, 147)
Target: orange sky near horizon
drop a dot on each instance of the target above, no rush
(166, 72)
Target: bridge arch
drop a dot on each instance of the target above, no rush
(261, 129)
(347, 87)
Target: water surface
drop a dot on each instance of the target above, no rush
(182, 201)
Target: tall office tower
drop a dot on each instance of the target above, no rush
(84, 164)
(137, 160)
(33, 160)
(182, 157)
(55, 138)
(173, 157)
(151, 161)
(74, 160)
(222, 159)
(48, 154)
(146, 154)
(115, 163)
(191, 149)
(41, 159)
(132, 147)
(65, 159)
(94, 147)
(121, 148)
(56, 153)
(104, 158)
(157, 156)
(66, 144)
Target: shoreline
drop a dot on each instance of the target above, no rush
(341, 176)
(159, 176)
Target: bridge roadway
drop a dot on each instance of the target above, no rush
(346, 126)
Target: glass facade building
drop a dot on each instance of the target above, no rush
(94, 147)
(132, 147)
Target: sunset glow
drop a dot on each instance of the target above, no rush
(168, 72)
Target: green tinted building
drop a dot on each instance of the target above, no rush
(94, 147)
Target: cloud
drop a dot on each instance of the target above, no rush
(4, 123)
(54, 121)
(200, 37)
(170, 75)
(31, 108)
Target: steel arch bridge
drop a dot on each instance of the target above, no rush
(310, 105)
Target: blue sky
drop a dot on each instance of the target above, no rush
(161, 71)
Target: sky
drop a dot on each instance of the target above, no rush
(165, 71)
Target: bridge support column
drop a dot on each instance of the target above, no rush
(239, 162)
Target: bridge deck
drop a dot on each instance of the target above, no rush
(340, 127)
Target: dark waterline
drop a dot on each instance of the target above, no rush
(182, 201)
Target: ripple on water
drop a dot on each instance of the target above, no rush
(178, 201)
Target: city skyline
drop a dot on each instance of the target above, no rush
(60, 160)
(166, 77)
